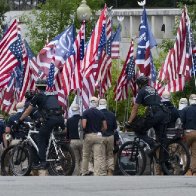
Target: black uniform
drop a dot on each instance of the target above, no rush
(111, 123)
(72, 127)
(52, 114)
(188, 117)
(156, 117)
(94, 120)
(174, 114)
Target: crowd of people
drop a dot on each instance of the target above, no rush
(93, 135)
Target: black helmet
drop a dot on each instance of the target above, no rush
(41, 82)
(142, 81)
(29, 94)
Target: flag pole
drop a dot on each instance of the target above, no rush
(120, 19)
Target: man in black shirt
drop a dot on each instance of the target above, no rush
(189, 123)
(156, 116)
(93, 123)
(108, 135)
(51, 113)
(74, 131)
(166, 100)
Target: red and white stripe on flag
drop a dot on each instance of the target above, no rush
(92, 48)
(115, 50)
(76, 79)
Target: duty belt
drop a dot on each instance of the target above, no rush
(54, 112)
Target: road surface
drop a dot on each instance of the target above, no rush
(98, 186)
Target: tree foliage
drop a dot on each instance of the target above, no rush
(3, 9)
(51, 19)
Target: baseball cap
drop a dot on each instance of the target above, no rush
(93, 102)
(192, 99)
(20, 105)
(183, 101)
(75, 107)
(12, 112)
(166, 96)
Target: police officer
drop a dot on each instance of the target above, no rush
(51, 115)
(93, 123)
(74, 132)
(108, 135)
(189, 123)
(166, 100)
(156, 116)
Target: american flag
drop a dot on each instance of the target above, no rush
(12, 51)
(60, 47)
(194, 61)
(182, 45)
(146, 41)
(71, 74)
(88, 85)
(176, 69)
(92, 48)
(106, 62)
(115, 48)
(127, 77)
(76, 80)
(8, 95)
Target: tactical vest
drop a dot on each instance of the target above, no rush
(51, 103)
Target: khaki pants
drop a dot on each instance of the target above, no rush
(191, 141)
(76, 145)
(93, 142)
(109, 146)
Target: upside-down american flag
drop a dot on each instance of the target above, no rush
(115, 47)
(127, 77)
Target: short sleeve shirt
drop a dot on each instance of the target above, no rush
(39, 101)
(148, 96)
(94, 119)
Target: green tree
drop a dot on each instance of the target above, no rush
(51, 19)
(3, 9)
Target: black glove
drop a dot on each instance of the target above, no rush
(127, 125)
(17, 123)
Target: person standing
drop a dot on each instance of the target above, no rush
(74, 131)
(183, 102)
(108, 135)
(93, 123)
(174, 114)
(189, 123)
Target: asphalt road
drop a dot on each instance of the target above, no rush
(98, 186)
